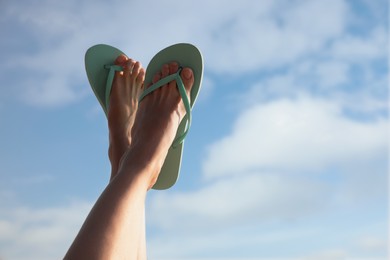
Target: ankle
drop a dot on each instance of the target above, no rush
(116, 150)
(143, 162)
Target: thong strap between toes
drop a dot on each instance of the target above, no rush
(110, 78)
(180, 85)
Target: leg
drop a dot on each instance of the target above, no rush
(115, 226)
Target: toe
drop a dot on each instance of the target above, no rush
(141, 77)
(136, 68)
(173, 67)
(188, 78)
(121, 59)
(156, 77)
(129, 65)
(165, 70)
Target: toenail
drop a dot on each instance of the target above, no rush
(121, 58)
(187, 73)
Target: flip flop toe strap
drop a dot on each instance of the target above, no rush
(184, 97)
(110, 78)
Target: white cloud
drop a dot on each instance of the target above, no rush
(332, 73)
(253, 41)
(51, 91)
(39, 233)
(295, 135)
(371, 243)
(234, 39)
(281, 182)
(254, 197)
(320, 20)
(303, 238)
(221, 245)
(361, 48)
(271, 169)
(332, 78)
(330, 254)
(250, 38)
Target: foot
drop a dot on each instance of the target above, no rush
(156, 123)
(126, 89)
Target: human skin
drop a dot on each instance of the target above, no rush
(140, 136)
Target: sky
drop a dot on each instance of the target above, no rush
(287, 156)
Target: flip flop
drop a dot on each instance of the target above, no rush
(99, 64)
(100, 68)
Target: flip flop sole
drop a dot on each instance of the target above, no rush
(186, 55)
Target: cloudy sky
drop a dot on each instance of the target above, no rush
(287, 156)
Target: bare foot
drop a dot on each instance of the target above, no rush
(156, 123)
(126, 89)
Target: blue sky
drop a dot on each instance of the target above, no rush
(287, 157)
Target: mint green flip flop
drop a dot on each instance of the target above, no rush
(99, 64)
(100, 68)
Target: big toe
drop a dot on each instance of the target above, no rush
(121, 59)
(188, 78)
